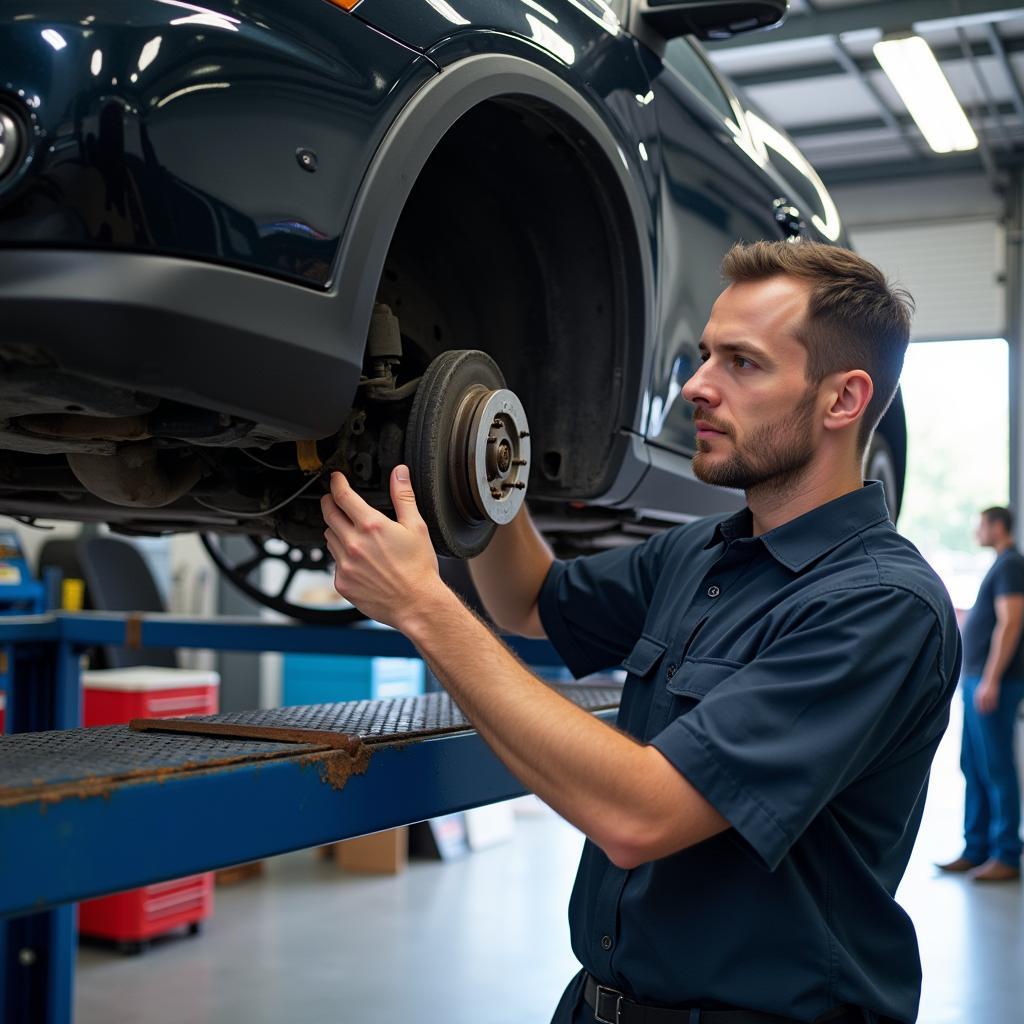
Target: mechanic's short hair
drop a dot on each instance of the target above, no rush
(999, 514)
(856, 319)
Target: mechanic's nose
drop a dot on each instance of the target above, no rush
(700, 387)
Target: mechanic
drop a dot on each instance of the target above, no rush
(790, 669)
(993, 687)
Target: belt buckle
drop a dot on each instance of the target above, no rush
(604, 993)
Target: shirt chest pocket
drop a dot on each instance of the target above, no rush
(645, 658)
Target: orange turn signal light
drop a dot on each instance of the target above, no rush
(345, 4)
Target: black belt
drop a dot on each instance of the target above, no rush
(612, 1007)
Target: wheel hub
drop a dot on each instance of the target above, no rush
(489, 455)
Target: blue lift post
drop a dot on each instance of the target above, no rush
(20, 591)
(46, 697)
(133, 833)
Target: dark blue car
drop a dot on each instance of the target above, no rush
(245, 242)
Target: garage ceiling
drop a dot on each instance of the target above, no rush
(817, 77)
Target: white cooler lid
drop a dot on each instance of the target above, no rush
(147, 677)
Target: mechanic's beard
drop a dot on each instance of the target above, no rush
(771, 461)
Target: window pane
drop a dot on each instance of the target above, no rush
(682, 57)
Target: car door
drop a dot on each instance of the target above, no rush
(717, 188)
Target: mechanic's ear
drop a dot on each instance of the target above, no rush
(403, 498)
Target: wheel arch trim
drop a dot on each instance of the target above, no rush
(412, 139)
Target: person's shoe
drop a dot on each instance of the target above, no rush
(995, 871)
(959, 866)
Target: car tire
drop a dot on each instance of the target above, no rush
(880, 464)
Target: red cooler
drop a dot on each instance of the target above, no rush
(113, 697)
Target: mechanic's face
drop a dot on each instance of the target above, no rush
(755, 413)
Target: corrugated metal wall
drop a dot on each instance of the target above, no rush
(954, 270)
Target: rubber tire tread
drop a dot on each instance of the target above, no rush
(880, 443)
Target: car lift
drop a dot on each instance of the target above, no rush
(84, 812)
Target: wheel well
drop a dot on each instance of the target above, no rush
(517, 240)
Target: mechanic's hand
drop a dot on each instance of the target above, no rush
(986, 697)
(388, 570)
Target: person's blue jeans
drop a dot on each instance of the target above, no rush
(992, 802)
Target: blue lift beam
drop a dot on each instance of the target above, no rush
(58, 846)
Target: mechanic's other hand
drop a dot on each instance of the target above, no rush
(986, 697)
(387, 569)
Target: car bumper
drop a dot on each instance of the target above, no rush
(218, 338)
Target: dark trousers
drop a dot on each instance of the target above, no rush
(992, 800)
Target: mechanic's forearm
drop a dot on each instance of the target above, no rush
(593, 775)
(1005, 638)
(509, 573)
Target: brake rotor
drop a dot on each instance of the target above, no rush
(489, 455)
(468, 450)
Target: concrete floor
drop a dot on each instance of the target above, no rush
(485, 940)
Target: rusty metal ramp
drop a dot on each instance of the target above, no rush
(88, 760)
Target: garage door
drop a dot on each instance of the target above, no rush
(954, 270)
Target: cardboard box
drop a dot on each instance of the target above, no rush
(383, 853)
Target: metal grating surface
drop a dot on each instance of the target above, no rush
(69, 755)
(391, 719)
(112, 752)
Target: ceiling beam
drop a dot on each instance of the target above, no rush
(887, 15)
(1000, 50)
(958, 163)
(864, 124)
(802, 72)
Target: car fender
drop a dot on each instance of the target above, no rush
(465, 81)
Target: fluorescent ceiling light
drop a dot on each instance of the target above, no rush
(925, 90)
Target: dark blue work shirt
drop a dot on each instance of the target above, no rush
(1006, 576)
(801, 682)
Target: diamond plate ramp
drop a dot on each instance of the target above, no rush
(370, 721)
(112, 752)
(86, 761)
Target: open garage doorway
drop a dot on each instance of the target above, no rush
(956, 395)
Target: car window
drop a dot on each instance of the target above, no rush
(684, 58)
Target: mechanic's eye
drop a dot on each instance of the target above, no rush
(743, 363)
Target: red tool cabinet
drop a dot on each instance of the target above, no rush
(112, 697)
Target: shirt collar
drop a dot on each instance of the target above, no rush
(807, 538)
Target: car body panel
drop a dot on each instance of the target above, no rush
(174, 129)
(570, 35)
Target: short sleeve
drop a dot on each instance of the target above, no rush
(855, 674)
(593, 607)
(1009, 577)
